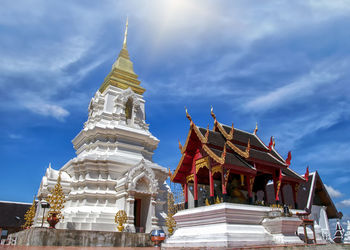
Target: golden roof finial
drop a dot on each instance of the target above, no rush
(188, 116)
(126, 33)
(212, 113)
(180, 146)
(256, 128)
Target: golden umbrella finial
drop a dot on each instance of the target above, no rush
(126, 33)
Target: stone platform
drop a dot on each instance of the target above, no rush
(229, 225)
(65, 237)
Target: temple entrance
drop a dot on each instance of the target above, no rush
(137, 214)
(141, 208)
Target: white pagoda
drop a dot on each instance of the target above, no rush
(113, 169)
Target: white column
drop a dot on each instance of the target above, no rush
(130, 212)
(152, 213)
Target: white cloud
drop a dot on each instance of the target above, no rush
(342, 153)
(46, 109)
(345, 203)
(304, 86)
(333, 192)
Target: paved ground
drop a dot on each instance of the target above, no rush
(307, 247)
(73, 248)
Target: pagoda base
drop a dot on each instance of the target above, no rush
(229, 225)
(66, 237)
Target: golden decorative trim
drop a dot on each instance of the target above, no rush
(216, 169)
(203, 139)
(223, 132)
(242, 179)
(201, 163)
(242, 153)
(220, 160)
(187, 140)
(189, 178)
(226, 176)
(178, 166)
(207, 133)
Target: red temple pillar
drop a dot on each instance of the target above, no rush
(211, 183)
(195, 179)
(195, 186)
(186, 195)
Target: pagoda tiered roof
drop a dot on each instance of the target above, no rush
(232, 148)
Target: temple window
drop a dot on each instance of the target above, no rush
(128, 108)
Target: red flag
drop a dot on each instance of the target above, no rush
(270, 144)
(289, 158)
(306, 176)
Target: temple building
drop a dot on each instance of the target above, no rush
(240, 192)
(228, 164)
(113, 169)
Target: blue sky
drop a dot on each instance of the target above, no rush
(283, 64)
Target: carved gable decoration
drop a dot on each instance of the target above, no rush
(141, 179)
(126, 94)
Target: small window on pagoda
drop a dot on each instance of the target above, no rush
(128, 108)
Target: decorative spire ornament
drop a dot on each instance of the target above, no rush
(126, 34)
(306, 176)
(180, 146)
(29, 216)
(256, 128)
(188, 116)
(289, 158)
(170, 221)
(270, 143)
(120, 218)
(56, 199)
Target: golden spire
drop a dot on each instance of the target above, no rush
(126, 33)
(122, 74)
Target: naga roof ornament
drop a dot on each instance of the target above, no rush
(188, 116)
(256, 128)
(180, 146)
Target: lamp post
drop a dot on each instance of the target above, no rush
(44, 205)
